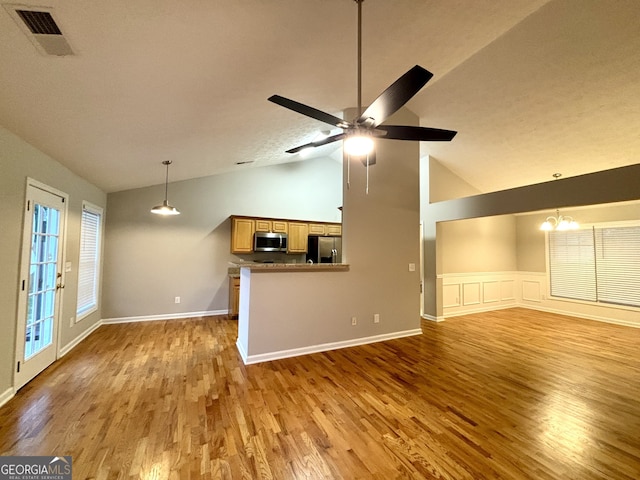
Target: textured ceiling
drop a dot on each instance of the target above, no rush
(532, 86)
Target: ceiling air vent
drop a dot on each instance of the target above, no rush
(41, 29)
(39, 22)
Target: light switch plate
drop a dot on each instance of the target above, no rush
(412, 267)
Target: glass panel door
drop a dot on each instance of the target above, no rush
(41, 282)
(42, 279)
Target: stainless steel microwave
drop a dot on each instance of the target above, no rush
(270, 242)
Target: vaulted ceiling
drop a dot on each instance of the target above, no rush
(533, 87)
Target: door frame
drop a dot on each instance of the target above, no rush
(25, 249)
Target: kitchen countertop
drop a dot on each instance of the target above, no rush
(289, 267)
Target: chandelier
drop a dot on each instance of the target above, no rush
(559, 223)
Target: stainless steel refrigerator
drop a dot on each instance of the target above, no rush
(324, 249)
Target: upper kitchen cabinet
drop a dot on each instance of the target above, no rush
(317, 229)
(325, 229)
(271, 226)
(242, 230)
(333, 229)
(298, 237)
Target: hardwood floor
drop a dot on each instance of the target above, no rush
(512, 394)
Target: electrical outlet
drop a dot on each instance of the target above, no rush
(412, 267)
(376, 318)
(354, 321)
(177, 299)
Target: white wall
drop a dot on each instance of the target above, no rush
(19, 160)
(149, 260)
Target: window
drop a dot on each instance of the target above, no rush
(599, 264)
(89, 262)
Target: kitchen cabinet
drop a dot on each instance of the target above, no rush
(263, 225)
(298, 237)
(280, 226)
(333, 229)
(330, 229)
(316, 229)
(242, 230)
(234, 296)
(273, 226)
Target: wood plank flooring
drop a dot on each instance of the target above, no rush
(512, 394)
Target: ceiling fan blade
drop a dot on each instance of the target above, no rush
(319, 143)
(422, 134)
(394, 97)
(308, 111)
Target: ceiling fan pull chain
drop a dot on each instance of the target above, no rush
(366, 190)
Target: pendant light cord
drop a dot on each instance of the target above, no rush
(359, 2)
(166, 185)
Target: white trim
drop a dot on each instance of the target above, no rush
(431, 318)
(7, 395)
(242, 352)
(586, 316)
(76, 341)
(476, 274)
(480, 310)
(324, 347)
(164, 316)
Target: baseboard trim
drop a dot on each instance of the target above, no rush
(76, 341)
(479, 310)
(431, 318)
(324, 347)
(585, 316)
(7, 395)
(164, 316)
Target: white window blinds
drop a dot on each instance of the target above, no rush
(618, 265)
(601, 264)
(89, 262)
(572, 264)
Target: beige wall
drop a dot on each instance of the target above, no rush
(477, 245)
(617, 185)
(19, 160)
(151, 259)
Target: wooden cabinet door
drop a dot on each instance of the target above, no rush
(298, 237)
(242, 230)
(234, 296)
(333, 229)
(263, 225)
(316, 229)
(280, 226)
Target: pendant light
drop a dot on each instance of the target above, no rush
(165, 208)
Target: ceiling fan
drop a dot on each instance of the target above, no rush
(359, 133)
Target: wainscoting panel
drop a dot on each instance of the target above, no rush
(477, 292)
(471, 293)
(491, 292)
(507, 290)
(451, 295)
(531, 291)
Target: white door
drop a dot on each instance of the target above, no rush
(41, 281)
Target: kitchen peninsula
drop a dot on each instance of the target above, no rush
(262, 332)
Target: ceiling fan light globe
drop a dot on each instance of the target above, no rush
(358, 145)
